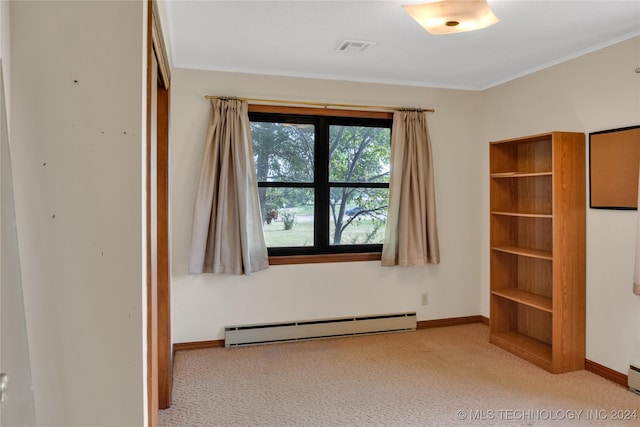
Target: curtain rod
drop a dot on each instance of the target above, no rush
(319, 104)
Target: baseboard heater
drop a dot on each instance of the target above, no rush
(269, 333)
(634, 378)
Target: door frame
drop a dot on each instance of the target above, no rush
(159, 352)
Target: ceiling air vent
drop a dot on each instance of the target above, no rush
(353, 45)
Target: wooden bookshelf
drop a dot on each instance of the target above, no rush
(527, 298)
(522, 214)
(538, 246)
(523, 251)
(518, 174)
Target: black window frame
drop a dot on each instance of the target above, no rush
(321, 184)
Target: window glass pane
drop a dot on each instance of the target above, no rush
(359, 153)
(283, 152)
(287, 216)
(357, 216)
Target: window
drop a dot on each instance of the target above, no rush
(323, 181)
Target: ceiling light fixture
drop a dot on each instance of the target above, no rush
(452, 16)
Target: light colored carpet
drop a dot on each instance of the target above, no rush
(447, 376)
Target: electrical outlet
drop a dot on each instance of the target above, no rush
(425, 299)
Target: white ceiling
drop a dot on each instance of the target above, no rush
(298, 38)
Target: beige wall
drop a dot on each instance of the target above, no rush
(77, 139)
(203, 305)
(5, 46)
(594, 92)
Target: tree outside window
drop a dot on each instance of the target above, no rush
(323, 182)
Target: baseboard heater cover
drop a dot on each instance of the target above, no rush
(269, 333)
(634, 378)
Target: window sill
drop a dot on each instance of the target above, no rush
(325, 258)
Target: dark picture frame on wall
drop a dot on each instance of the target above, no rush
(614, 164)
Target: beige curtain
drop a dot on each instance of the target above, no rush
(227, 224)
(636, 278)
(411, 236)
